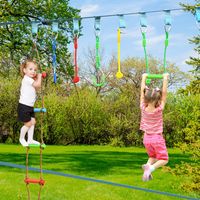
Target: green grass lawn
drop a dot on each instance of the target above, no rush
(120, 165)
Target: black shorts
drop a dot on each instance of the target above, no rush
(25, 113)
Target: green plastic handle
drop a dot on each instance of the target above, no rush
(148, 81)
(154, 76)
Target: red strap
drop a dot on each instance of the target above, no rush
(75, 43)
(75, 55)
(76, 78)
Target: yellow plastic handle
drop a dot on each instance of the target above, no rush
(118, 74)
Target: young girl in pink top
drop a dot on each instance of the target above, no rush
(152, 102)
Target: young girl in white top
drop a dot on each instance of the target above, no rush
(152, 103)
(30, 82)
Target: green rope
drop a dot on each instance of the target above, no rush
(97, 53)
(145, 51)
(165, 50)
(144, 42)
(100, 80)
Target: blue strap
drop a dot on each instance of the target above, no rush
(34, 27)
(197, 14)
(75, 26)
(55, 30)
(54, 63)
(122, 23)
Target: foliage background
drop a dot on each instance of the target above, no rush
(84, 113)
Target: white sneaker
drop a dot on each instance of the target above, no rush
(23, 142)
(33, 142)
(147, 176)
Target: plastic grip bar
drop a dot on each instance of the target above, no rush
(40, 110)
(37, 145)
(155, 76)
(28, 180)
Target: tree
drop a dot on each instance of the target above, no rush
(195, 62)
(187, 105)
(17, 39)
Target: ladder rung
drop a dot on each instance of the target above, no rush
(39, 181)
(37, 145)
(34, 145)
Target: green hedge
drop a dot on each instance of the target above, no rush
(85, 118)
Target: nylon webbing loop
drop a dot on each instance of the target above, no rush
(143, 22)
(122, 23)
(168, 20)
(197, 14)
(97, 26)
(75, 26)
(55, 27)
(34, 26)
(34, 29)
(99, 79)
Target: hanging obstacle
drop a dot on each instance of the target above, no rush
(100, 77)
(122, 26)
(27, 179)
(54, 63)
(143, 28)
(42, 110)
(34, 27)
(168, 22)
(76, 78)
(119, 74)
(143, 24)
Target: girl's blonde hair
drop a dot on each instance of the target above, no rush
(152, 95)
(24, 65)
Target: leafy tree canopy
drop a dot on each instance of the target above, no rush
(16, 40)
